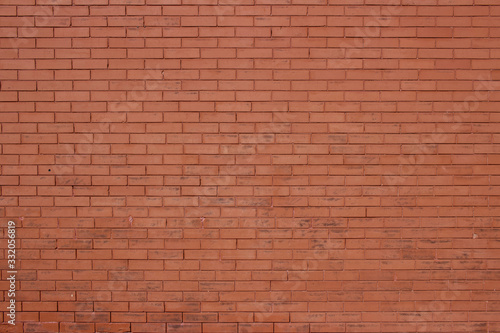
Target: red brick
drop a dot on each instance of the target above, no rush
(217, 166)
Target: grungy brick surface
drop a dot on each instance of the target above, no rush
(251, 165)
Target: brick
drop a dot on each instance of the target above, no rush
(242, 165)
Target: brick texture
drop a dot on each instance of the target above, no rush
(251, 165)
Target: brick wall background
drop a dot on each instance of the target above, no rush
(252, 165)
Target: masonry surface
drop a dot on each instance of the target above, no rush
(251, 165)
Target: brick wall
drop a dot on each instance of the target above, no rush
(251, 165)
